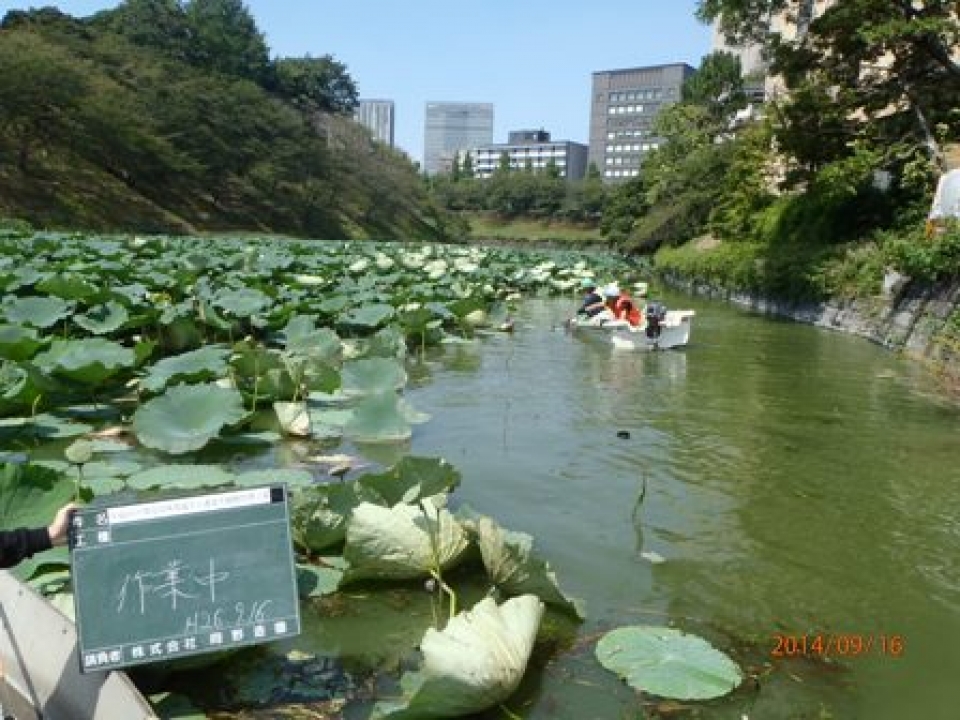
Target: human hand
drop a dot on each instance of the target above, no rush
(61, 524)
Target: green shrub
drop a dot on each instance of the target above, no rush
(925, 258)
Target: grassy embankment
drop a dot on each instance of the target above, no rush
(485, 229)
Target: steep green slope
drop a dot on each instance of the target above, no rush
(106, 127)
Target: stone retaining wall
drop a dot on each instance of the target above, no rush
(922, 321)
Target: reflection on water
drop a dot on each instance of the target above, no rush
(797, 481)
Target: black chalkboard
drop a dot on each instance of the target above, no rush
(161, 580)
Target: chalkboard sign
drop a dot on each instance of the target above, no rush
(157, 581)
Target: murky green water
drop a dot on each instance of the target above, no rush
(797, 481)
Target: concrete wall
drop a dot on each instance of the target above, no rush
(920, 320)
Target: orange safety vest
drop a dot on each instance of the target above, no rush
(624, 308)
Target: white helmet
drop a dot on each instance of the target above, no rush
(611, 290)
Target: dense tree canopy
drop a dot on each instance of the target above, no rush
(163, 115)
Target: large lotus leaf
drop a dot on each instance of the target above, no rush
(412, 479)
(242, 302)
(30, 495)
(103, 319)
(18, 342)
(302, 336)
(382, 418)
(262, 371)
(667, 662)
(514, 568)
(290, 476)
(398, 543)
(19, 388)
(187, 417)
(90, 361)
(371, 376)
(368, 316)
(189, 477)
(475, 663)
(207, 363)
(38, 311)
(70, 286)
(320, 514)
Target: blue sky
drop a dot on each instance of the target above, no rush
(532, 59)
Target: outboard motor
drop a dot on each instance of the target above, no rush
(656, 314)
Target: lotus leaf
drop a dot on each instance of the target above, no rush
(187, 417)
(667, 662)
(18, 342)
(38, 311)
(514, 569)
(30, 495)
(412, 479)
(207, 363)
(79, 452)
(290, 476)
(368, 316)
(103, 319)
(371, 376)
(293, 417)
(89, 361)
(320, 514)
(262, 372)
(243, 302)
(181, 477)
(69, 286)
(398, 543)
(53, 426)
(475, 663)
(328, 423)
(382, 418)
(20, 387)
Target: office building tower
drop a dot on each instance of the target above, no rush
(623, 106)
(377, 116)
(454, 128)
(532, 149)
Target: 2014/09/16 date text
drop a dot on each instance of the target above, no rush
(839, 645)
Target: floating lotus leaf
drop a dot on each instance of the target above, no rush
(54, 426)
(187, 417)
(667, 662)
(514, 569)
(18, 342)
(188, 477)
(38, 311)
(89, 361)
(386, 417)
(327, 423)
(69, 286)
(103, 319)
(475, 663)
(398, 543)
(412, 479)
(368, 316)
(371, 376)
(207, 363)
(290, 476)
(243, 302)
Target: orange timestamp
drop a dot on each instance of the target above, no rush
(837, 645)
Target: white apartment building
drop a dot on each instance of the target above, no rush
(531, 149)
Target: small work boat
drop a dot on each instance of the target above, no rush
(660, 329)
(40, 671)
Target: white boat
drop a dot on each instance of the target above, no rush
(657, 331)
(40, 671)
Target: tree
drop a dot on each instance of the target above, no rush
(224, 38)
(42, 87)
(890, 65)
(159, 24)
(717, 85)
(315, 84)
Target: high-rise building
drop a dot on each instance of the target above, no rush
(454, 128)
(531, 149)
(622, 108)
(378, 117)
